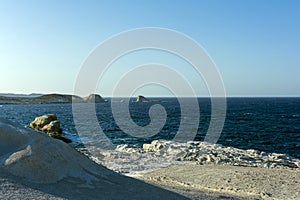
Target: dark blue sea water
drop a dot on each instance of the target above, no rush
(268, 124)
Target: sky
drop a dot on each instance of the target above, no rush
(254, 44)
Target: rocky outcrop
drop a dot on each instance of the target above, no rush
(141, 98)
(162, 153)
(94, 98)
(32, 159)
(206, 153)
(49, 125)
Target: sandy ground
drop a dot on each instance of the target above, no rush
(228, 182)
(190, 181)
(117, 187)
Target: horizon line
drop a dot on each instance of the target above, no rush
(162, 96)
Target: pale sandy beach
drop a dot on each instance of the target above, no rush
(242, 182)
(193, 182)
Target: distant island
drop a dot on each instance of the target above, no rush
(49, 99)
(20, 95)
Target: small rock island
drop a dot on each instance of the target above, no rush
(94, 98)
(141, 98)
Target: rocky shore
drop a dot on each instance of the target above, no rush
(162, 153)
(194, 169)
(35, 166)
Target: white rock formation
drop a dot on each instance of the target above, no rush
(162, 153)
(34, 160)
(205, 153)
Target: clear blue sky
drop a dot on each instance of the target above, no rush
(255, 44)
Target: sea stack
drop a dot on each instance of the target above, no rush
(94, 98)
(141, 98)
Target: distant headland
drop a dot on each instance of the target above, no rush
(49, 99)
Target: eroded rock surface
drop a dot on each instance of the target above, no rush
(50, 125)
(34, 166)
(162, 153)
(205, 153)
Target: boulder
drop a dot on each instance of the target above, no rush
(52, 127)
(49, 125)
(40, 122)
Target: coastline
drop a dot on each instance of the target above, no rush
(250, 174)
(35, 166)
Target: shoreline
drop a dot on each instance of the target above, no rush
(36, 166)
(162, 153)
(250, 174)
(194, 179)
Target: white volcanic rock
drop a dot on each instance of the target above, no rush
(39, 158)
(33, 160)
(162, 153)
(205, 153)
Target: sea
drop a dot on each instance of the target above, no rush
(266, 124)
